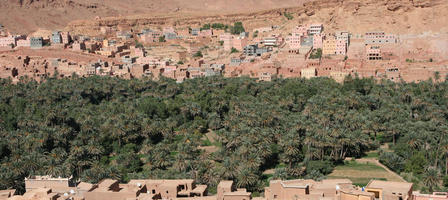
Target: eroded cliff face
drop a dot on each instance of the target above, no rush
(23, 16)
(41, 4)
(396, 16)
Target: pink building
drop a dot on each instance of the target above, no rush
(106, 30)
(293, 41)
(300, 30)
(228, 41)
(78, 46)
(373, 52)
(168, 30)
(239, 43)
(23, 43)
(137, 52)
(66, 38)
(206, 33)
(341, 47)
(434, 196)
(8, 41)
(317, 41)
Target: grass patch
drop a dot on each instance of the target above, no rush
(372, 154)
(352, 165)
(206, 142)
(360, 173)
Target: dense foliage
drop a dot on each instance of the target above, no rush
(99, 127)
(237, 28)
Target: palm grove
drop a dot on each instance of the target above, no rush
(98, 127)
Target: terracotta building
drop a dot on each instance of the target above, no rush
(308, 72)
(434, 196)
(388, 190)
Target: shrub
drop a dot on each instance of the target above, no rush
(445, 181)
(234, 50)
(198, 54)
(288, 16)
(205, 27)
(323, 167)
(138, 44)
(416, 164)
(316, 54)
(237, 28)
(392, 161)
(220, 26)
(255, 34)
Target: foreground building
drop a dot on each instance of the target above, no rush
(49, 188)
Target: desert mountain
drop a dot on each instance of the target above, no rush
(29, 15)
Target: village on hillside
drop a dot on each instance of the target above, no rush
(306, 51)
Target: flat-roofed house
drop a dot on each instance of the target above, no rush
(227, 191)
(389, 190)
(354, 194)
(5, 194)
(56, 184)
(434, 196)
(308, 72)
(305, 189)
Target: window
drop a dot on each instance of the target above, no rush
(153, 191)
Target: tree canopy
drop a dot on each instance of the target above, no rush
(103, 127)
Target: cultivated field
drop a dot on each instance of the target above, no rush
(362, 171)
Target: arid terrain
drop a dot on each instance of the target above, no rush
(24, 16)
(395, 16)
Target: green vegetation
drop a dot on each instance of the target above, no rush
(361, 173)
(353, 165)
(198, 54)
(288, 16)
(138, 44)
(410, 60)
(373, 154)
(221, 42)
(180, 62)
(233, 50)
(316, 54)
(103, 127)
(205, 27)
(218, 26)
(237, 28)
(255, 34)
(162, 39)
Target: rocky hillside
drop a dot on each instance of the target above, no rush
(401, 16)
(356, 16)
(29, 15)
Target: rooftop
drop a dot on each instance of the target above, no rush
(106, 183)
(226, 184)
(390, 186)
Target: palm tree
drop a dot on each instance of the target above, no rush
(431, 178)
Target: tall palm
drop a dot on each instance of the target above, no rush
(431, 178)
